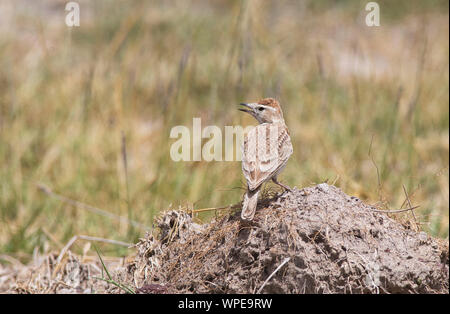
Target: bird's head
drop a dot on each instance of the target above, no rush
(266, 110)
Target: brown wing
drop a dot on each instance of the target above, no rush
(266, 149)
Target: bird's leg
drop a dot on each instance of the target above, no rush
(274, 179)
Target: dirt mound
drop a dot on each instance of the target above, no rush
(314, 240)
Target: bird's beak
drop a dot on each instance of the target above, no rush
(246, 106)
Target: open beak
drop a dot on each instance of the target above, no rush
(246, 106)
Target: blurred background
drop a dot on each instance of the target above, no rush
(86, 112)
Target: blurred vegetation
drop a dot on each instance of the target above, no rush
(87, 111)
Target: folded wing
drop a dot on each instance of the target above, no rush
(266, 149)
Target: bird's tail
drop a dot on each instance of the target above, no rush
(249, 204)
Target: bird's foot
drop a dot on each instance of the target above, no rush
(287, 188)
(284, 186)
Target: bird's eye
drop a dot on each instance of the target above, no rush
(261, 108)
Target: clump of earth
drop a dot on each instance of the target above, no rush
(313, 240)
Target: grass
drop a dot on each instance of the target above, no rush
(109, 278)
(87, 111)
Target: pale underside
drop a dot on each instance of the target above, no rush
(266, 150)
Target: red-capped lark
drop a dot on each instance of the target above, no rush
(265, 152)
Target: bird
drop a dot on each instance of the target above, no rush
(265, 151)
